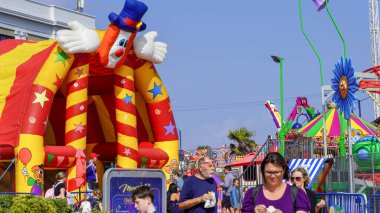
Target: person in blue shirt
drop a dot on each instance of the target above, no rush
(235, 196)
(199, 191)
(178, 180)
(91, 174)
(227, 187)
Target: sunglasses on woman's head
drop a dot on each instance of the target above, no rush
(295, 178)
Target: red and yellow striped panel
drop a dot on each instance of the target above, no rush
(159, 111)
(76, 112)
(20, 63)
(76, 103)
(105, 119)
(127, 156)
(146, 80)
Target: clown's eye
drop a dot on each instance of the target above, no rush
(41, 172)
(125, 44)
(122, 42)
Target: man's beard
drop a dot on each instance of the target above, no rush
(206, 175)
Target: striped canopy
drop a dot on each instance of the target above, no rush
(312, 166)
(334, 123)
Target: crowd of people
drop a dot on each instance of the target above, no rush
(198, 192)
(94, 195)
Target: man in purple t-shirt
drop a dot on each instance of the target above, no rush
(200, 188)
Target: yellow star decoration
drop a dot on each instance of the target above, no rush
(41, 98)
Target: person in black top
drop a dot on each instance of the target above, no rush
(301, 179)
(60, 186)
(172, 199)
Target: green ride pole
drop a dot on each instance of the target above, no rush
(321, 79)
(342, 144)
(337, 29)
(282, 133)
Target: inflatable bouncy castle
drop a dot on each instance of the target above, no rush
(87, 91)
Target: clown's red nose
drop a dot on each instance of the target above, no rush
(119, 52)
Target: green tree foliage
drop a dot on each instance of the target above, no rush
(32, 204)
(244, 142)
(203, 147)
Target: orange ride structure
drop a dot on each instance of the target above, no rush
(59, 103)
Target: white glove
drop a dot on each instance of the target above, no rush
(146, 48)
(24, 172)
(78, 39)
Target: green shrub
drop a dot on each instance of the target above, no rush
(61, 206)
(6, 202)
(32, 204)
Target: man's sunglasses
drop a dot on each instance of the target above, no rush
(209, 164)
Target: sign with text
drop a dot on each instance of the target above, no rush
(119, 185)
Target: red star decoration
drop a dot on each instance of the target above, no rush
(79, 72)
(58, 81)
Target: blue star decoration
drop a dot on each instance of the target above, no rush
(169, 129)
(345, 85)
(127, 99)
(156, 90)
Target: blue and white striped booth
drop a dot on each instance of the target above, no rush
(313, 166)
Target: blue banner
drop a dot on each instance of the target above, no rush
(122, 188)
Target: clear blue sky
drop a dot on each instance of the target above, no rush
(218, 70)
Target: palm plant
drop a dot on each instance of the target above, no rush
(242, 137)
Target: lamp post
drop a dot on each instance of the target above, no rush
(279, 60)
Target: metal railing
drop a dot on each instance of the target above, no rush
(15, 193)
(366, 174)
(345, 202)
(374, 203)
(250, 176)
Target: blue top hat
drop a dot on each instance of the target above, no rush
(129, 18)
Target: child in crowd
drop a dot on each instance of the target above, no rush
(96, 202)
(85, 206)
(60, 186)
(235, 196)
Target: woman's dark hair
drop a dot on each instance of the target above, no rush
(278, 159)
(173, 188)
